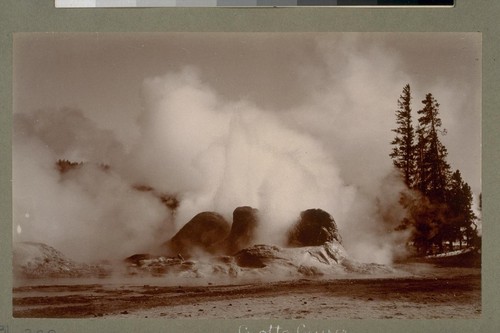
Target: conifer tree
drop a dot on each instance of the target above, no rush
(403, 151)
(460, 203)
(433, 169)
(439, 210)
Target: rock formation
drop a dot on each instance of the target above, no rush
(257, 256)
(315, 227)
(243, 229)
(38, 260)
(314, 249)
(199, 234)
(328, 259)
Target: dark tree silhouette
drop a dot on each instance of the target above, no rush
(439, 203)
(433, 169)
(64, 166)
(403, 150)
(461, 214)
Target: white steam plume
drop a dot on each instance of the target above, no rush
(331, 152)
(88, 213)
(219, 155)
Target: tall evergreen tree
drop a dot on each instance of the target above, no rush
(433, 169)
(420, 171)
(403, 151)
(439, 212)
(460, 203)
(469, 217)
(456, 206)
(424, 219)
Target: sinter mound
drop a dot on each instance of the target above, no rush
(314, 250)
(243, 229)
(38, 260)
(200, 233)
(314, 228)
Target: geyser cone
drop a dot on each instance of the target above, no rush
(315, 227)
(243, 230)
(199, 234)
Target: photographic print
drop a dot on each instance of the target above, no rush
(247, 175)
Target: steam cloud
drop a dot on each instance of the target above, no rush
(330, 152)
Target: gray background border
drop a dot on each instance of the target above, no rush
(466, 16)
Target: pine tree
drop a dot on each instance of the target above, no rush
(424, 219)
(456, 205)
(403, 151)
(433, 169)
(439, 210)
(420, 171)
(469, 216)
(460, 203)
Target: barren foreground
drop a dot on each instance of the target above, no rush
(426, 292)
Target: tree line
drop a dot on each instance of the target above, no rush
(439, 206)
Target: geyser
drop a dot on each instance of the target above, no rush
(243, 230)
(199, 234)
(212, 154)
(315, 227)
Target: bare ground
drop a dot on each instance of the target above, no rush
(429, 292)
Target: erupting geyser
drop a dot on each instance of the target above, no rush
(314, 249)
(208, 247)
(194, 150)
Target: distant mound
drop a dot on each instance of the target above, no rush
(243, 229)
(200, 233)
(315, 227)
(38, 260)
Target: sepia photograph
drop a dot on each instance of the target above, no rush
(331, 175)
